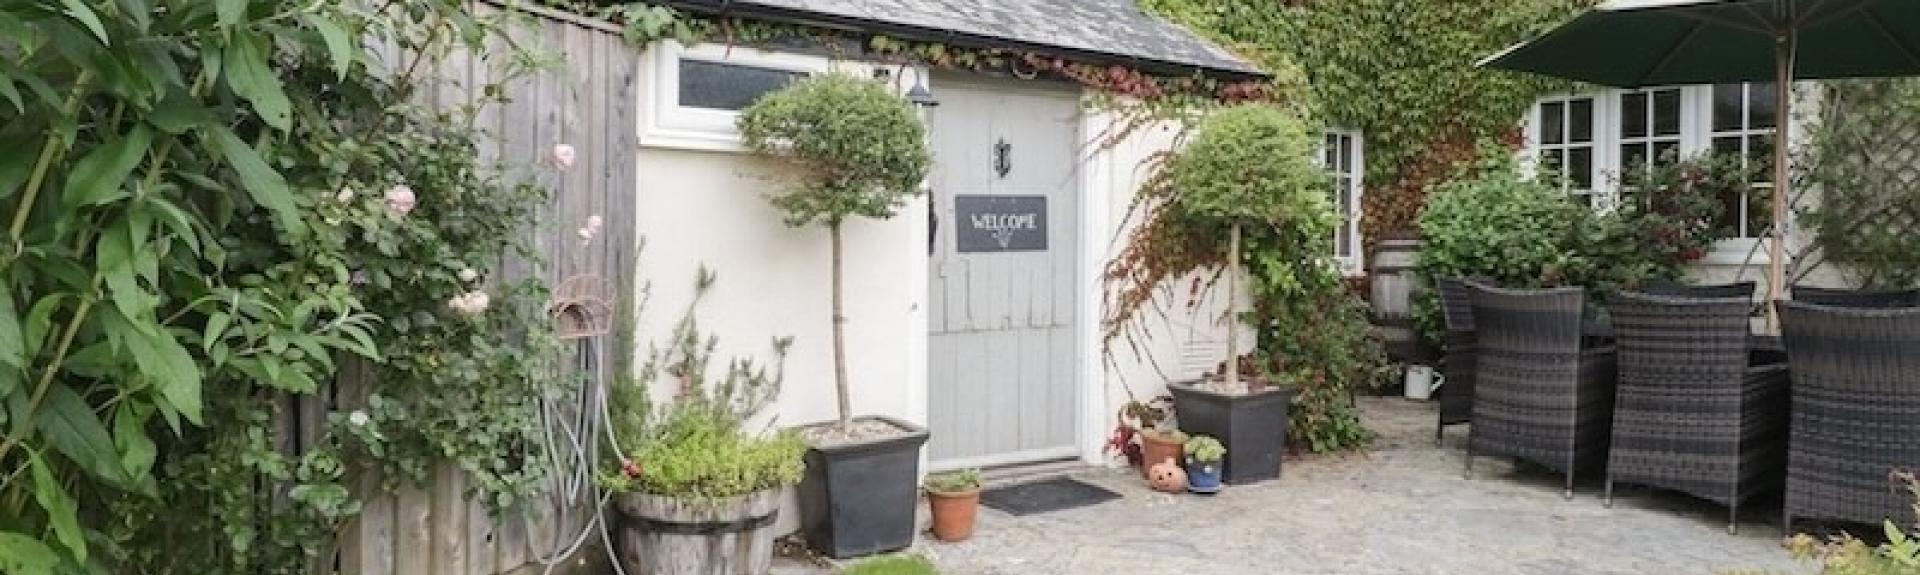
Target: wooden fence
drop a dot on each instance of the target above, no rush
(584, 99)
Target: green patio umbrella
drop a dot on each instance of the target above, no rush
(1637, 43)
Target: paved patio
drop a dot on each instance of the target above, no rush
(1401, 508)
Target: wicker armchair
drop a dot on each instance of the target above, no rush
(1710, 291)
(1856, 411)
(1697, 409)
(1456, 397)
(1539, 394)
(1857, 298)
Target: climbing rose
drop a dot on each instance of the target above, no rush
(467, 275)
(563, 156)
(631, 469)
(345, 195)
(400, 200)
(470, 303)
(357, 418)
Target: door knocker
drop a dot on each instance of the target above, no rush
(1002, 158)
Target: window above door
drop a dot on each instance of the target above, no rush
(692, 95)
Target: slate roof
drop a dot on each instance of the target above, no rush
(1104, 31)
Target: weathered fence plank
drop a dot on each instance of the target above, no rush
(586, 101)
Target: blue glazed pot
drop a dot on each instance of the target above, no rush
(1203, 477)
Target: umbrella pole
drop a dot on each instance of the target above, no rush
(1784, 46)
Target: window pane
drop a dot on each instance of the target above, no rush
(1666, 112)
(1760, 105)
(720, 86)
(1552, 160)
(1331, 153)
(1760, 157)
(1346, 155)
(1666, 153)
(1580, 127)
(1759, 211)
(1727, 107)
(1727, 147)
(1728, 223)
(1553, 123)
(1633, 115)
(1580, 168)
(1633, 163)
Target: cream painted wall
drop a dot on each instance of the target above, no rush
(709, 209)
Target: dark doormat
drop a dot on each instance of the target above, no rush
(1045, 496)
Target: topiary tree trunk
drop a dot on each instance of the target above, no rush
(1233, 306)
(840, 331)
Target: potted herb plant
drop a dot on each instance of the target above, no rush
(1204, 455)
(1250, 167)
(695, 491)
(856, 151)
(954, 498)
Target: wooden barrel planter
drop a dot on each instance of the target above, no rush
(1394, 281)
(681, 536)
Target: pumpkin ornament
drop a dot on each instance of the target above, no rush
(1167, 476)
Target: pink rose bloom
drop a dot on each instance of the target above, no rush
(400, 200)
(563, 156)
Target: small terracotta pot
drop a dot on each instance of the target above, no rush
(953, 514)
(1155, 451)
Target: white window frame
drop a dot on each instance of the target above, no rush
(667, 124)
(1596, 149)
(1696, 136)
(1352, 264)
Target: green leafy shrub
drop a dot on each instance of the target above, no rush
(960, 481)
(1251, 167)
(1519, 232)
(860, 152)
(1205, 449)
(1860, 159)
(697, 445)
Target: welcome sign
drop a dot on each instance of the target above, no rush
(987, 224)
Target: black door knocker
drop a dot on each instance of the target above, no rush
(1002, 158)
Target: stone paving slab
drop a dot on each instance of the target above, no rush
(1401, 508)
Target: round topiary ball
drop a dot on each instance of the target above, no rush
(861, 149)
(1253, 165)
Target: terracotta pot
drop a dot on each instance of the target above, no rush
(953, 514)
(1155, 451)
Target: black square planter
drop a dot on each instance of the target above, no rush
(1253, 427)
(859, 499)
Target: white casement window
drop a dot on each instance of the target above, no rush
(691, 96)
(1566, 143)
(1601, 143)
(1742, 125)
(1343, 155)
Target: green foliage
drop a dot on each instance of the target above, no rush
(860, 150)
(1517, 232)
(1252, 164)
(1861, 154)
(1205, 449)
(183, 267)
(893, 565)
(1315, 337)
(960, 481)
(696, 445)
(1401, 71)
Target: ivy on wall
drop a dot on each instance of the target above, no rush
(1400, 71)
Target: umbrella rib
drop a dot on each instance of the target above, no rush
(1672, 52)
(1765, 28)
(1898, 44)
(1809, 20)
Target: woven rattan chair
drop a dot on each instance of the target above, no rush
(1710, 291)
(1857, 298)
(1456, 396)
(1539, 394)
(1856, 411)
(1697, 409)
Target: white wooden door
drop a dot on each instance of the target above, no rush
(1004, 387)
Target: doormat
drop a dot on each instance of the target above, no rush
(1045, 496)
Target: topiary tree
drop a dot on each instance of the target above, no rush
(860, 151)
(1252, 165)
